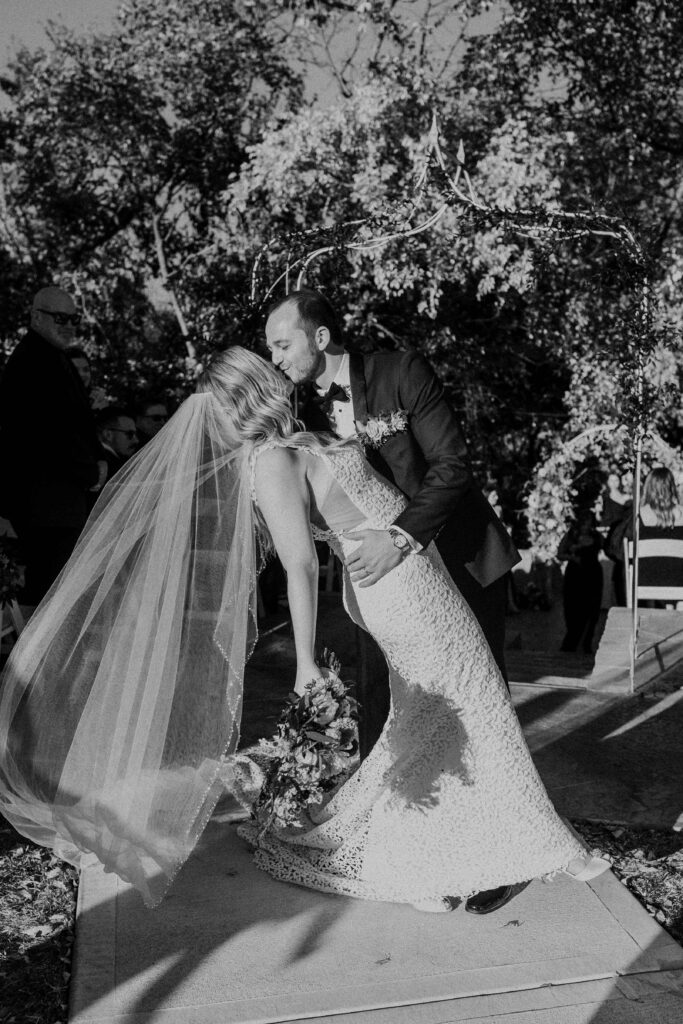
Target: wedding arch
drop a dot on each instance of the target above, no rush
(299, 250)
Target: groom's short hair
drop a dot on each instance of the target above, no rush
(314, 310)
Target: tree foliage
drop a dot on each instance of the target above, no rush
(147, 168)
(116, 150)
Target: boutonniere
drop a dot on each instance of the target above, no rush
(378, 429)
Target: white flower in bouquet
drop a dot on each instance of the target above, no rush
(325, 711)
(306, 756)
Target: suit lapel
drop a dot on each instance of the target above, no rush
(359, 396)
(359, 387)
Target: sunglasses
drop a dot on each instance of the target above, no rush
(62, 319)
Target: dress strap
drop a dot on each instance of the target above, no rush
(256, 451)
(318, 533)
(278, 443)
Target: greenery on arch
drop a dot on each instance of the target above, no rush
(573, 473)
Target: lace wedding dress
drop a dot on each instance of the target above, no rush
(448, 802)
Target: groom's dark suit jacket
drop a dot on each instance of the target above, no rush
(429, 463)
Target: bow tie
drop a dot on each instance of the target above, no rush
(335, 393)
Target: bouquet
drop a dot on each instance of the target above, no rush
(312, 752)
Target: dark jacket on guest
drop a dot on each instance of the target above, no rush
(114, 462)
(47, 435)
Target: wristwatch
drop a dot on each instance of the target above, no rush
(399, 540)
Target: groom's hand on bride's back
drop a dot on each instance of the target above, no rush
(374, 557)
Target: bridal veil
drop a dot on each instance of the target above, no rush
(124, 691)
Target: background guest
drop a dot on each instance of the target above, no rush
(490, 491)
(118, 436)
(51, 454)
(512, 503)
(80, 360)
(615, 501)
(661, 515)
(616, 509)
(79, 357)
(582, 583)
(150, 417)
(661, 518)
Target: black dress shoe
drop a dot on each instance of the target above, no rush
(488, 900)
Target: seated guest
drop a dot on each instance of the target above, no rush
(661, 519)
(118, 436)
(660, 507)
(150, 417)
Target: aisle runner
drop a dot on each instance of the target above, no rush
(230, 945)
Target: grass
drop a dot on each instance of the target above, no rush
(37, 912)
(649, 862)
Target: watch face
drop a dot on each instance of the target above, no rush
(399, 540)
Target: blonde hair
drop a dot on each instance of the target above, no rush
(252, 394)
(661, 494)
(254, 398)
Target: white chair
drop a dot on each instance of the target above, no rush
(653, 549)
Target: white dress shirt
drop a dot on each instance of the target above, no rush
(341, 415)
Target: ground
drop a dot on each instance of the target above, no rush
(38, 892)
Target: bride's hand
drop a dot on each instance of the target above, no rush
(306, 675)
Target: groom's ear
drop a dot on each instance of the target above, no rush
(322, 338)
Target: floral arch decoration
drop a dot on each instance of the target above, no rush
(555, 489)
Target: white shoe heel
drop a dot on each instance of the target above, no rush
(433, 905)
(582, 869)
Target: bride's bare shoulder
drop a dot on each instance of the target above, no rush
(276, 475)
(272, 455)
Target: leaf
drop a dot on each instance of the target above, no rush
(319, 737)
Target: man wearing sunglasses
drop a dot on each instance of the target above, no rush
(54, 317)
(52, 462)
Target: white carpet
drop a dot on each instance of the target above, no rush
(231, 945)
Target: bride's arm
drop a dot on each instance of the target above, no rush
(282, 497)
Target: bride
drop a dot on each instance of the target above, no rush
(120, 705)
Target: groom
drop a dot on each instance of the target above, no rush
(420, 449)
